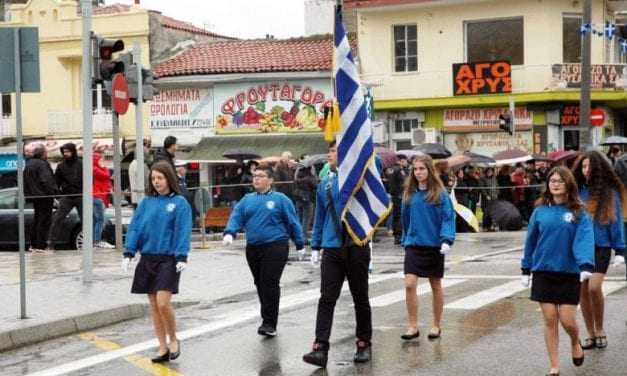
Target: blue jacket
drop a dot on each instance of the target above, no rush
(426, 224)
(557, 243)
(611, 235)
(161, 225)
(266, 218)
(325, 229)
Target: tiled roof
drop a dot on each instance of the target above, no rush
(110, 9)
(251, 56)
(171, 23)
(382, 3)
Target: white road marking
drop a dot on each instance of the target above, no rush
(399, 295)
(486, 297)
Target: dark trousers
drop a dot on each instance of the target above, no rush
(66, 204)
(338, 264)
(266, 262)
(397, 201)
(41, 222)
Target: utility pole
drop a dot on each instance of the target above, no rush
(584, 104)
(139, 124)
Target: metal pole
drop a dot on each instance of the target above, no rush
(584, 105)
(20, 169)
(117, 183)
(88, 202)
(139, 125)
(512, 110)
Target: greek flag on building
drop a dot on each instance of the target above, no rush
(363, 199)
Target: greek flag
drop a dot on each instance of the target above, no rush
(363, 200)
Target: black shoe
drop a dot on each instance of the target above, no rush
(589, 343)
(266, 330)
(408, 336)
(363, 353)
(435, 335)
(318, 356)
(174, 355)
(162, 358)
(579, 361)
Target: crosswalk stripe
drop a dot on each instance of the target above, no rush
(399, 295)
(612, 286)
(486, 297)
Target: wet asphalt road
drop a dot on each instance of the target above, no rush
(482, 335)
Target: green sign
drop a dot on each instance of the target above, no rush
(29, 59)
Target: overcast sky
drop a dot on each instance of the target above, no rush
(237, 18)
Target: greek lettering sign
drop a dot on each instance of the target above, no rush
(29, 59)
(182, 108)
(487, 143)
(482, 78)
(483, 119)
(602, 76)
(8, 162)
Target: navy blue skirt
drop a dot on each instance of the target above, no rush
(156, 273)
(555, 288)
(426, 262)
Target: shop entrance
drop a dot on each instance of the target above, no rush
(570, 139)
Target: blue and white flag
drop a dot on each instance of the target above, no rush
(623, 46)
(610, 30)
(364, 202)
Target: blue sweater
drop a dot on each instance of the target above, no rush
(266, 218)
(556, 242)
(325, 230)
(611, 235)
(161, 225)
(426, 224)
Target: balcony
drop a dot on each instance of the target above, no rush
(70, 123)
(7, 127)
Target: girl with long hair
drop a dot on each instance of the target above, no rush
(428, 222)
(160, 231)
(559, 252)
(603, 194)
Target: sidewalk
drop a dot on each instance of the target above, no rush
(58, 303)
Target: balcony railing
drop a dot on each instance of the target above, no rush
(65, 123)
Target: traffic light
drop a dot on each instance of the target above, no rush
(506, 123)
(104, 67)
(148, 90)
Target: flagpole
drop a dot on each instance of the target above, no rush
(337, 8)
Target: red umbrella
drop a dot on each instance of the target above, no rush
(511, 156)
(562, 155)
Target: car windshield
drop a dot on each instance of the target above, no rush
(8, 199)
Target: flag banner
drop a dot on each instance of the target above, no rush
(465, 213)
(363, 200)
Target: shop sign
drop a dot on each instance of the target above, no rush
(487, 143)
(8, 162)
(268, 107)
(482, 78)
(570, 115)
(602, 76)
(483, 119)
(184, 108)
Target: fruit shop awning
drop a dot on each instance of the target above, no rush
(212, 148)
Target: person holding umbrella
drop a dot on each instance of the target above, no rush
(559, 251)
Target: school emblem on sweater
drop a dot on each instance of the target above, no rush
(170, 207)
(270, 205)
(568, 217)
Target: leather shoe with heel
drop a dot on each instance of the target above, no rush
(363, 353)
(162, 358)
(174, 355)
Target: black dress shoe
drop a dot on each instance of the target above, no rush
(318, 356)
(407, 336)
(363, 353)
(162, 358)
(435, 335)
(266, 330)
(579, 361)
(174, 355)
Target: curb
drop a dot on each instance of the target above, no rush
(29, 335)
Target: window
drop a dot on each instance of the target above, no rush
(405, 125)
(404, 145)
(571, 39)
(495, 40)
(6, 105)
(405, 48)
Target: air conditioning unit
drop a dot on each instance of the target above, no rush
(425, 136)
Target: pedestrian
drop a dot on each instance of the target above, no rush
(247, 176)
(304, 199)
(341, 259)
(102, 188)
(269, 220)
(603, 194)
(397, 179)
(39, 190)
(181, 176)
(160, 231)
(559, 252)
(487, 195)
(134, 185)
(428, 221)
(69, 177)
(504, 183)
(519, 181)
(284, 175)
(168, 152)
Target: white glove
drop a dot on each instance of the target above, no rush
(525, 280)
(180, 266)
(584, 276)
(227, 240)
(301, 254)
(315, 257)
(126, 262)
(618, 261)
(445, 249)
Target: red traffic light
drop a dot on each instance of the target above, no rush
(108, 46)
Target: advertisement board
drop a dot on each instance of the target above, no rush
(487, 143)
(602, 76)
(493, 77)
(483, 119)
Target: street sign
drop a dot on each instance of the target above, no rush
(29, 59)
(119, 89)
(597, 117)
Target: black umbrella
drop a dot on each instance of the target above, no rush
(478, 158)
(240, 154)
(313, 160)
(615, 140)
(436, 151)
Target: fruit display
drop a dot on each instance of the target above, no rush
(278, 118)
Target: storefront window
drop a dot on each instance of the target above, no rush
(405, 48)
(405, 125)
(403, 145)
(6, 105)
(571, 139)
(495, 40)
(571, 36)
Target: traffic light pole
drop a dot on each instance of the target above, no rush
(117, 180)
(584, 105)
(139, 125)
(20, 170)
(88, 204)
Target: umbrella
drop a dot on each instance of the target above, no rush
(409, 153)
(436, 151)
(456, 161)
(388, 157)
(541, 158)
(478, 158)
(615, 140)
(562, 155)
(240, 154)
(511, 156)
(313, 160)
